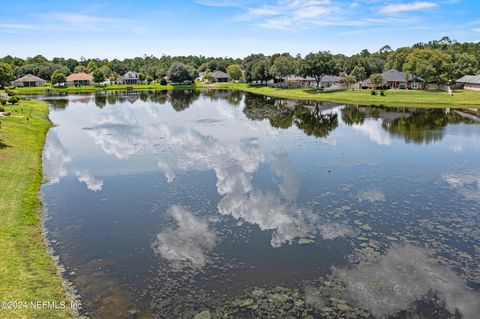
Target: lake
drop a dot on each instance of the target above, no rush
(221, 203)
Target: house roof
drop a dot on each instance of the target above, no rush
(394, 76)
(129, 75)
(331, 78)
(219, 74)
(326, 78)
(469, 79)
(29, 78)
(79, 77)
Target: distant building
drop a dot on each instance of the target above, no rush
(218, 76)
(129, 78)
(395, 79)
(470, 82)
(326, 81)
(29, 80)
(79, 79)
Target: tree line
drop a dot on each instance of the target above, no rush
(440, 61)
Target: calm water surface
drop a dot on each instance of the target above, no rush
(184, 204)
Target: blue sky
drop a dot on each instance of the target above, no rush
(119, 29)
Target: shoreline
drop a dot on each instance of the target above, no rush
(392, 98)
(32, 284)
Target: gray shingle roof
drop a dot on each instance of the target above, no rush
(330, 78)
(469, 79)
(394, 76)
(219, 74)
(29, 78)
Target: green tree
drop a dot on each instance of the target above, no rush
(98, 76)
(260, 70)
(107, 72)
(142, 77)
(317, 65)
(464, 64)
(179, 73)
(92, 66)
(359, 73)
(283, 66)
(57, 77)
(349, 80)
(396, 59)
(6, 74)
(432, 65)
(80, 69)
(234, 71)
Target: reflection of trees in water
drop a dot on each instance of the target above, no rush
(352, 115)
(284, 113)
(233, 97)
(315, 123)
(259, 108)
(423, 125)
(414, 125)
(59, 104)
(183, 99)
(100, 100)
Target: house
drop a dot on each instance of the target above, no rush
(395, 79)
(329, 80)
(79, 79)
(415, 82)
(218, 76)
(28, 81)
(470, 82)
(326, 81)
(131, 77)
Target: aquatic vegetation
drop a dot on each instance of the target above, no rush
(227, 211)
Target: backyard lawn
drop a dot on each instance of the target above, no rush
(27, 272)
(407, 98)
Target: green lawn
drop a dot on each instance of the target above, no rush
(410, 98)
(27, 273)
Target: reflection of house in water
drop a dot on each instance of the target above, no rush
(84, 100)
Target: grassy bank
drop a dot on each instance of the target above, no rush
(27, 273)
(99, 88)
(411, 98)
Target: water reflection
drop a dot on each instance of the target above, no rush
(189, 243)
(413, 125)
(241, 205)
(404, 275)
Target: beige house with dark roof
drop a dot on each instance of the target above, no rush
(470, 82)
(29, 80)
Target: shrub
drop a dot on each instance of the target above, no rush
(3, 101)
(373, 92)
(382, 93)
(2, 109)
(163, 81)
(13, 100)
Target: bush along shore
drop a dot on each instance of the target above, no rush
(30, 283)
